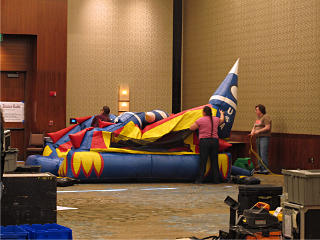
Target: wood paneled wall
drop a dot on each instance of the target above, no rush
(47, 21)
(286, 151)
(16, 53)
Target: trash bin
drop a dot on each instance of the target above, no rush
(10, 161)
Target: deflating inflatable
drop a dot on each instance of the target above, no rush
(139, 146)
(104, 167)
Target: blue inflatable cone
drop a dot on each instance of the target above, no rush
(225, 98)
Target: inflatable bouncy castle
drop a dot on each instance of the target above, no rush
(140, 146)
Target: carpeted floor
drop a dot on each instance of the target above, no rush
(148, 210)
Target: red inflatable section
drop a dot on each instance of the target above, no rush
(97, 140)
(223, 145)
(82, 119)
(55, 136)
(76, 138)
(65, 147)
(103, 124)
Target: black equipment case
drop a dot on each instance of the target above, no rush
(249, 195)
(29, 198)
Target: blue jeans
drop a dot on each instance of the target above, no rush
(262, 147)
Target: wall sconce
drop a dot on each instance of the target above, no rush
(124, 99)
(123, 106)
(124, 93)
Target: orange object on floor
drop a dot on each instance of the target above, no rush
(262, 205)
(272, 235)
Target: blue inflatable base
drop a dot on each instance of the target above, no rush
(120, 167)
(240, 171)
(47, 164)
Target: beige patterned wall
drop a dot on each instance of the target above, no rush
(113, 42)
(278, 42)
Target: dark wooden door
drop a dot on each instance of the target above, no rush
(12, 89)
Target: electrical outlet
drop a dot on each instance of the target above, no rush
(51, 123)
(311, 160)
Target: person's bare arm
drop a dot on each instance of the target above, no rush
(265, 129)
(221, 120)
(194, 126)
(252, 133)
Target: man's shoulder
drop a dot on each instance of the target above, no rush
(98, 116)
(266, 117)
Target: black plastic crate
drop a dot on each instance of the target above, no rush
(29, 199)
(251, 194)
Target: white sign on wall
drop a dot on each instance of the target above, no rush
(12, 111)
